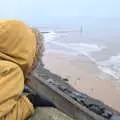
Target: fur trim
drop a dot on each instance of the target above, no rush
(39, 49)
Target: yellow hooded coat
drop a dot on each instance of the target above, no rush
(17, 52)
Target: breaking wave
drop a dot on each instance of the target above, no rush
(110, 66)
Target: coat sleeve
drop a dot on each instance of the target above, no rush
(11, 87)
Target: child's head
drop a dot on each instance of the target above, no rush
(20, 44)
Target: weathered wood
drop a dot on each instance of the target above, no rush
(46, 113)
(63, 102)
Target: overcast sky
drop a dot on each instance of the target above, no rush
(40, 11)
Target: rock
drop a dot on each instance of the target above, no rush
(65, 79)
(65, 89)
(90, 102)
(50, 80)
(107, 114)
(47, 113)
(96, 109)
(79, 97)
(95, 106)
(73, 96)
(62, 88)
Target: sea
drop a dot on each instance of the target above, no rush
(99, 43)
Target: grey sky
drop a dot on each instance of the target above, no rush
(42, 10)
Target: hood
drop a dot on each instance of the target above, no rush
(17, 43)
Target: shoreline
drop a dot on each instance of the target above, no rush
(84, 76)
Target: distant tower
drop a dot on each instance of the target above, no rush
(81, 29)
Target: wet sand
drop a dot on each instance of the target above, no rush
(84, 76)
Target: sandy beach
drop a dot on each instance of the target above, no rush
(84, 76)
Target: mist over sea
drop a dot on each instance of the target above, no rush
(98, 40)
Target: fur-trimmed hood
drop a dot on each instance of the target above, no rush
(17, 44)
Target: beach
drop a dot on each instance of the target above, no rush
(84, 76)
(89, 59)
